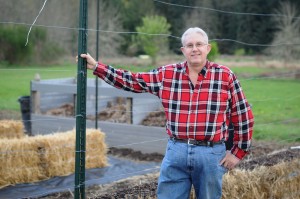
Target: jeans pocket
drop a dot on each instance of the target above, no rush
(218, 149)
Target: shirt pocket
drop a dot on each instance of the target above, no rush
(218, 103)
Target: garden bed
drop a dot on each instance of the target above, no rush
(265, 154)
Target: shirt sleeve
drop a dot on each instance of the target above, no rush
(128, 81)
(241, 118)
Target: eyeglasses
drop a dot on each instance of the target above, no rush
(197, 45)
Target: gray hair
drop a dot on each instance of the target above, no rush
(194, 30)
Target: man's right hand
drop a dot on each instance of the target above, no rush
(91, 63)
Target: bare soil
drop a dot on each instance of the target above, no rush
(144, 186)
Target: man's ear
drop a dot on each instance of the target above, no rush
(208, 48)
(182, 49)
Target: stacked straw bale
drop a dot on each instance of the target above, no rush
(37, 158)
(281, 181)
(11, 129)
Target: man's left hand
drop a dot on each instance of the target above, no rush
(229, 161)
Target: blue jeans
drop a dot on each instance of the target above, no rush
(185, 165)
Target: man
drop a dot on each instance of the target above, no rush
(199, 97)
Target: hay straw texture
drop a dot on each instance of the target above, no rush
(11, 129)
(281, 181)
(37, 158)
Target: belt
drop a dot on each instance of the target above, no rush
(197, 142)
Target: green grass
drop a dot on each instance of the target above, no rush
(15, 81)
(252, 71)
(275, 102)
(276, 108)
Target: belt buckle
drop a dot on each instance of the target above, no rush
(210, 144)
(189, 141)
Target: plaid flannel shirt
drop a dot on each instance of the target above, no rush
(202, 111)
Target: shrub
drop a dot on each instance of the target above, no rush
(240, 52)
(12, 42)
(14, 51)
(214, 52)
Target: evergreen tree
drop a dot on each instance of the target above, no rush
(174, 16)
(227, 24)
(132, 12)
(255, 29)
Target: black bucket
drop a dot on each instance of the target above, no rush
(25, 110)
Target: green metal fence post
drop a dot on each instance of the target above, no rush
(97, 57)
(81, 104)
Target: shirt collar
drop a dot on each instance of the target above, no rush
(202, 72)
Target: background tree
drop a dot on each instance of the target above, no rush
(62, 17)
(153, 44)
(255, 29)
(203, 18)
(227, 25)
(288, 32)
(174, 16)
(132, 13)
(61, 21)
(110, 21)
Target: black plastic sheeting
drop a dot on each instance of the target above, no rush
(118, 169)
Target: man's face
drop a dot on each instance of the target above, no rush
(195, 49)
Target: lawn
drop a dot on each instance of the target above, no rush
(276, 107)
(275, 101)
(15, 81)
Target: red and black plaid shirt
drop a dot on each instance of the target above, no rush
(202, 111)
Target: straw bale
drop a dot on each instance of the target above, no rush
(19, 162)
(37, 158)
(277, 182)
(64, 145)
(11, 129)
